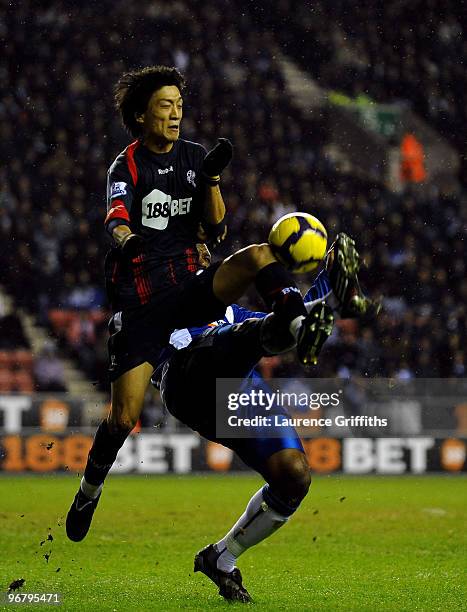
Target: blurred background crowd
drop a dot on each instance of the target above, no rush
(59, 132)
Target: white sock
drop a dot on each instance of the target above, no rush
(90, 490)
(258, 522)
(294, 326)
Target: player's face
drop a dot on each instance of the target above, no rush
(164, 114)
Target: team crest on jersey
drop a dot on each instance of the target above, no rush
(117, 189)
(190, 177)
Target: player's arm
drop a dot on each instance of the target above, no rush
(214, 207)
(120, 190)
(213, 215)
(130, 244)
(121, 233)
(214, 226)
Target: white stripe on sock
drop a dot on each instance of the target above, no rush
(295, 325)
(90, 490)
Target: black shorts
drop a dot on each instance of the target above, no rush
(142, 333)
(188, 388)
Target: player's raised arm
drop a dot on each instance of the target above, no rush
(213, 165)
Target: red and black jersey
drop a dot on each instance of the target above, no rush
(160, 197)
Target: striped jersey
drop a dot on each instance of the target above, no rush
(160, 197)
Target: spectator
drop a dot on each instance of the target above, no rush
(412, 160)
(49, 373)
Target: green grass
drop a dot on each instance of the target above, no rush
(394, 543)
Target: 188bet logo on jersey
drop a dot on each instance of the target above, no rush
(159, 206)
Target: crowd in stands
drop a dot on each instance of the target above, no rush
(59, 132)
(20, 370)
(406, 51)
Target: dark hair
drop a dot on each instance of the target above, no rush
(134, 90)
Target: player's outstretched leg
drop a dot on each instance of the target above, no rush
(127, 401)
(343, 265)
(315, 330)
(313, 333)
(288, 477)
(276, 286)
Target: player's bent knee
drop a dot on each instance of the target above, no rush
(290, 477)
(254, 257)
(259, 256)
(298, 475)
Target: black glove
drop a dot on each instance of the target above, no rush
(132, 246)
(216, 161)
(212, 233)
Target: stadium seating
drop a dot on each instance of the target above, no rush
(56, 173)
(16, 371)
(353, 50)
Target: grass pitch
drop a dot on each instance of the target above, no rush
(357, 543)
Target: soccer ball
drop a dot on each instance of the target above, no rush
(298, 240)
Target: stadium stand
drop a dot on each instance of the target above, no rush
(354, 49)
(59, 133)
(16, 359)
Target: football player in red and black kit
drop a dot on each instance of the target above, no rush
(160, 190)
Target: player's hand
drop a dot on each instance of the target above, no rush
(202, 234)
(204, 255)
(132, 246)
(216, 161)
(212, 240)
(220, 238)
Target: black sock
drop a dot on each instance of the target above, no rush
(278, 289)
(275, 502)
(103, 453)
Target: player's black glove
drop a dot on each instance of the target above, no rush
(132, 246)
(212, 233)
(216, 161)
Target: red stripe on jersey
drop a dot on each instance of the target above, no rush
(191, 262)
(118, 211)
(172, 272)
(146, 281)
(194, 261)
(142, 282)
(115, 272)
(130, 160)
